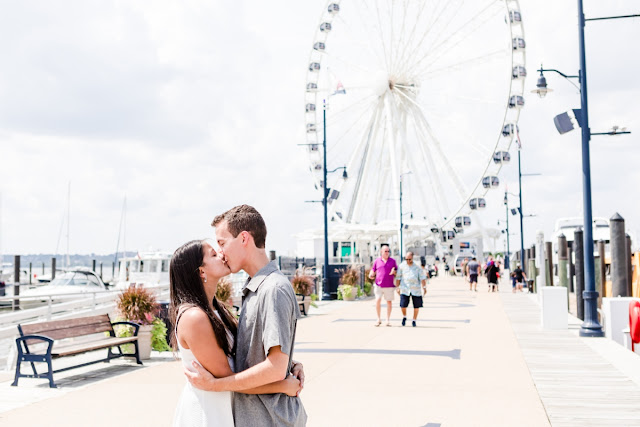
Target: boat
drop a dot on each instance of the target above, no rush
(75, 281)
(568, 226)
(145, 268)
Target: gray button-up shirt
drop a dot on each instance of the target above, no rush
(268, 319)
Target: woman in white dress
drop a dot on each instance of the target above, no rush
(205, 331)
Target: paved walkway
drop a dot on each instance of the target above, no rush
(462, 366)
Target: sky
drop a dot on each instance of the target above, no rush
(189, 108)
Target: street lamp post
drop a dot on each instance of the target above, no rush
(520, 200)
(401, 223)
(506, 205)
(325, 194)
(591, 327)
(325, 271)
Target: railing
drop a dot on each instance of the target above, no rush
(77, 304)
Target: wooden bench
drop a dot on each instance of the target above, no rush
(44, 341)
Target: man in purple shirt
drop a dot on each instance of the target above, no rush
(384, 270)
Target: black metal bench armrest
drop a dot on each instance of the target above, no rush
(24, 338)
(135, 325)
(300, 295)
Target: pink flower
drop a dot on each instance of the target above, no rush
(149, 317)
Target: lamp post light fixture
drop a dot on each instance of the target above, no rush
(591, 327)
(401, 224)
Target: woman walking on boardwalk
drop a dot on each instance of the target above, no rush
(491, 271)
(205, 332)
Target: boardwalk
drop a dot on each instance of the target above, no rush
(577, 385)
(475, 359)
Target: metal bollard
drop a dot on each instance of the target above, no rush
(16, 281)
(579, 243)
(619, 283)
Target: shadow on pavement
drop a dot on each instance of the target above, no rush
(399, 319)
(454, 354)
(86, 378)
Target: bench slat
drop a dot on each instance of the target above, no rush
(69, 328)
(71, 349)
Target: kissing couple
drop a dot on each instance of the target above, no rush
(239, 372)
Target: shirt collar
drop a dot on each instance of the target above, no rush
(253, 283)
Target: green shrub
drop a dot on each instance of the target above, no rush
(367, 288)
(159, 336)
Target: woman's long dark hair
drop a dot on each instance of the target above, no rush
(187, 290)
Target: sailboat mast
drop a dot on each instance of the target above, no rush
(68, 220)
(122, 230)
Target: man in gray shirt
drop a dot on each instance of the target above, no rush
(266, 330)
(473, 269)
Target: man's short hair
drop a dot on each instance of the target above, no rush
(244, 218)
(473, 259)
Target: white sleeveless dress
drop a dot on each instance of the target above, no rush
(202, 408)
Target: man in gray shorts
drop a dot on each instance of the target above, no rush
(266, 330)
(473, 269)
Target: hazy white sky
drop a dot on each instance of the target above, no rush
(189, 108)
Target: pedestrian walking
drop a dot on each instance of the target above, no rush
(519, 277)
(412, 284)
(384, 269)
(473, 270)
(491, 272)
(463, 268)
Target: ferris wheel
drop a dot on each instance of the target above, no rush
(422, 100)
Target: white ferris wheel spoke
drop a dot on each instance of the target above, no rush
(364, 174)
(349, 27)
(368, 139)
(436, 185)
(361, 150)
(478, 60)
(422, 120)
(477, 146)
(442, 47)
(365, 5)
(436, 17)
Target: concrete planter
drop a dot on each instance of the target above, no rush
(144, 341)
(349, 296)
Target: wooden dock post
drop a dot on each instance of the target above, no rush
(16, 281)
(619, 261)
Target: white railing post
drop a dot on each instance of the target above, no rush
(49, 308)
